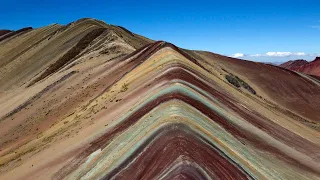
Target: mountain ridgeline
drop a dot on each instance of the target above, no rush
(90, 100)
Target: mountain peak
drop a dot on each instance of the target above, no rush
(317, 59)
(294, 63)
(312, 68)
(117, 105)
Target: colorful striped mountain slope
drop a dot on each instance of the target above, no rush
(91, 100)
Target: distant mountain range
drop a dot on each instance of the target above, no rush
(311, 68)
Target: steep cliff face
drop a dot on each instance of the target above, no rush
(92, 100)
(311, 68)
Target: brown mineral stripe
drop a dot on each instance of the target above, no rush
(20, 31)
(181, 74)
(171, 143)
(98, 82)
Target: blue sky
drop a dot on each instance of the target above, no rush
(271, 31)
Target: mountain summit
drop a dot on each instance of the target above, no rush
(90, 100)
(312, 68)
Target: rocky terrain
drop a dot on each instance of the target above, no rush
(303, 66)
(90, 100)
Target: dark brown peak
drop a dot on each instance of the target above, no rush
(317, 59)
(4, 31)
(12, 33)
(126, 30)
(300, 62)
(294, 63)
(24, 29)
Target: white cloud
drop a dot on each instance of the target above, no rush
(255, 55)
(238, 55)
(284, 54)
(300, 54)
(278, 54)
(273, 54)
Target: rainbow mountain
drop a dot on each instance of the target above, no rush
(90, 100)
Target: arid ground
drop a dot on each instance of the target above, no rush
(89, 100)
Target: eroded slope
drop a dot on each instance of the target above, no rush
(96, 101)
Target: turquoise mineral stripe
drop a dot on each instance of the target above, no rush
(161, 116)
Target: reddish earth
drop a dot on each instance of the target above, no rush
(285, 88)
(311, 68)
(293, 64)
(4, 31)
(95, 101)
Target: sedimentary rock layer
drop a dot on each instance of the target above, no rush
(126, 107)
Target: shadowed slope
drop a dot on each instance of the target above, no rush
(287, 90)
(27, 57)
(293, 64)
(72, 53)
(4, 31)
(99, 144)
(122, 107)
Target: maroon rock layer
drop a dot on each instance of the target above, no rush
(311, 68)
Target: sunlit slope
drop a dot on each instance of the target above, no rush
(27, 56)
(294, 94)
(125, 107)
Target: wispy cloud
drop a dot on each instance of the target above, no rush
(238, 55)
(273, 54)
(316, 27)
(279, 54)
